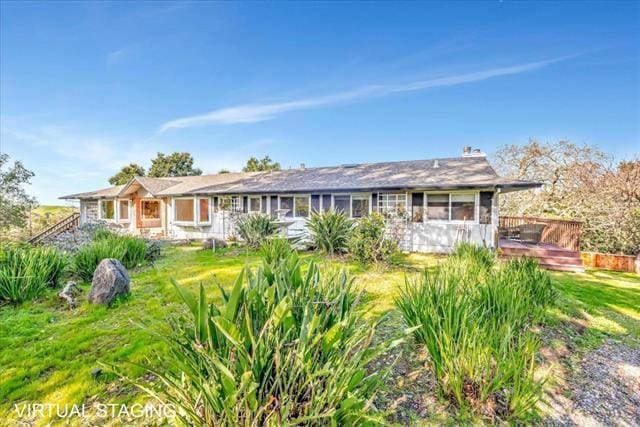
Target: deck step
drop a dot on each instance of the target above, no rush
(559, 263)
(535, 252)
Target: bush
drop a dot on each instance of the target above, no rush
(368, 242)
(154, 250)
(130, 251)
(255, 228)
(329, 231)
(476, 323)
(479, 255)
(26, 272)
(274, 250)
(286, 346)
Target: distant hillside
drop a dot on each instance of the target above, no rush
(46, 215)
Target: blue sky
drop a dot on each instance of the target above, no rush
(88, 87)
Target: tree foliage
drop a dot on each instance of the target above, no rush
(15, 203)
(126, 174)
(174, 164)
(580, 182)
(264, 164)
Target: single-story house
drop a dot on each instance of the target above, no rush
(431, 204)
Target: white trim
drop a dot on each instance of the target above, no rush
(230, 197)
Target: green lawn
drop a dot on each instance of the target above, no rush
(47, 352)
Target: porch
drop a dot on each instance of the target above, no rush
(554, 243)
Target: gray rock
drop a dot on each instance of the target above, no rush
(109, 281)
(69, 293)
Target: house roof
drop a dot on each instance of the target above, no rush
(444, 174)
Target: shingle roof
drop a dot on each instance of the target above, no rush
(446, 173)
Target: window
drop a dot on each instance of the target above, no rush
(392, 204)
(438, 207)
(255, 204)
(341, 204)
(359, 205)
(486, 199)
(107, 209)
(184, 210)
(123, 210)
(326, 202)
(417, 207)
(150, 209)
(301, 204)
(230, 203)
(463, 207)
(203, 210)
(286, 206)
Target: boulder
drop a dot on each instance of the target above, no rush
(110, 280)
(208, 243)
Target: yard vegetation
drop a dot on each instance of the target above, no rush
(289, 337)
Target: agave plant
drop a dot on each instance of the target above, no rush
(286, 346)
(329, 231)
(255, 228)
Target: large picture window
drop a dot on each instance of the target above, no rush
(184, 211)
(107, 209)
(123, 210)
(451, 207)
(150, 209)
(392, 204)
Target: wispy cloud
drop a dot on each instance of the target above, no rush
(116, 56)
(250, 113)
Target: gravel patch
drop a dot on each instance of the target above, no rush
(603, 391)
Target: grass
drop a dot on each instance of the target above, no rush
(47, 352)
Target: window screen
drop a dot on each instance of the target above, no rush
(463, 207)
(341, 204)
(326, 202)
(254, 204)
(315, 202)
(124, 210)
(359, 206)
(438, 207)
(184, 210)
(150, 209)
(286, 205)
(302, 206)
(417, 207)
(107, 210)
(486, 199)
(203, 215)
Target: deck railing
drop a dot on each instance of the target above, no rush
(68, 223)
(562, 233)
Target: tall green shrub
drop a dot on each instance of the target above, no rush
(286, 346)
(26, 272)
(130, 251)
(475, 319)
(368, 242)
(255, 228)
(329, 231)
(275, 250)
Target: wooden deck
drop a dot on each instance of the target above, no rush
(549, 256)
